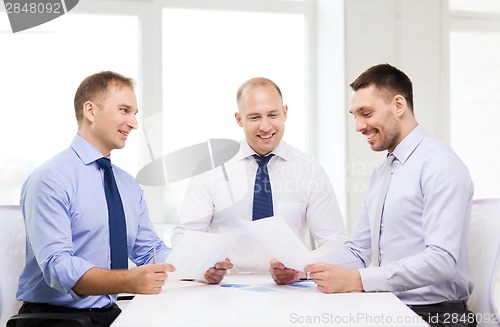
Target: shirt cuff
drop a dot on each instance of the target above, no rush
(69, 273)
(162, 255)
(374, 279)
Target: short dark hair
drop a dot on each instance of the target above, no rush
(95, 88)
(386, 77)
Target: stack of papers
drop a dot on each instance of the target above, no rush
(280, 241)
(196, 252)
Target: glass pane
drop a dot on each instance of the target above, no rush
(207, 54)
(475, 98)
(476, 5)
(41, 70)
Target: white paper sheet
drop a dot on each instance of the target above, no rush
(247, 255)
(280, 241)
(196, 252)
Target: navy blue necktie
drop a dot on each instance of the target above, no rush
(116, 218)
(262, 195)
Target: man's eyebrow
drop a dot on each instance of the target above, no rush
(361, 109)
(124, 105)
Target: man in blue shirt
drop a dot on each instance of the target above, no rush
(65, 209)
(415, 218)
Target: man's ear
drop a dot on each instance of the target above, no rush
(89, 111)
(285, 111)
(400, 104)
(237, 116)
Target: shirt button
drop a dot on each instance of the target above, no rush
(381, 252)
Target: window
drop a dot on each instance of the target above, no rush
(485, 6)
(41, 70)
(475, 81)
(207, 54)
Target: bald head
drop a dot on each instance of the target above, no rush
(253, 83)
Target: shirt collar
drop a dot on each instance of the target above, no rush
(406, 147)
(246, 151)
(84, 150)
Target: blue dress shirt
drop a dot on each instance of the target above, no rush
(425, 223)
(66, 217)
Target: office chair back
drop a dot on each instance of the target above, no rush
(12, 254)
(484, 256)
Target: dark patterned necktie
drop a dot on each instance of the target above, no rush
(262, 195)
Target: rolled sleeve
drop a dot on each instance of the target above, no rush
(67, 272)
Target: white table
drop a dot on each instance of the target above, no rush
(255, 300)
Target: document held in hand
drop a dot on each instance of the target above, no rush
(196, 252)
(280, 241)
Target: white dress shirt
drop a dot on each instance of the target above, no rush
(302, 196)
(425, 223)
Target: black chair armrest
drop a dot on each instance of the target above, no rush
(81, 320)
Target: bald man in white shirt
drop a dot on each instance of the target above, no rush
(302, 194)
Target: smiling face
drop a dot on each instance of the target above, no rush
(377, 117)
(111, 120)
(262, 116)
